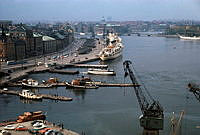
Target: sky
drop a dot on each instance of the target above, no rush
(94, 10)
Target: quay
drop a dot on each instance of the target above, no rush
(51, 126)
(45, 96)
(41, 69)
(71, 61)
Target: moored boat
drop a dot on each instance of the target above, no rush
(189, 38)
(81, 83)
(86, 86)
(113, 49)
(29, 116)
(30, 83)
(29, 95)
(101, 71)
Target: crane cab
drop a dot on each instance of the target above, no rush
(151, 123)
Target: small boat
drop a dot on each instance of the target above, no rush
(30, 82)
(29, 95)
(86, 86)
(21, 128)
(34, 84)
(30, 116)
(101, 71)
(81, 83)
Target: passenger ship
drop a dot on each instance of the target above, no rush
(113, 49)
(188, 38)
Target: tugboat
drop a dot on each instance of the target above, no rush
(30, 116)
(29, 95)
(81, 83)
(113, 49)
(30, 83)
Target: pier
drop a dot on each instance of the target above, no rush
(86, 66)
(63, 84)
(72, 61)
(100, 84)
(41, 69)
(63, 71)
(28, 125)
(44, 96)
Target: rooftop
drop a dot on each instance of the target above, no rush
(47, 38)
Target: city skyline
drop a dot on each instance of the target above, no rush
(94, 10)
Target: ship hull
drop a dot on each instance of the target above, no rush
(189, 38)
(101, 72)
(103, 58)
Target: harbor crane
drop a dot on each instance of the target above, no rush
(152, 112)
(194, 88)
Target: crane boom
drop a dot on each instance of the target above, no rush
(152, 117)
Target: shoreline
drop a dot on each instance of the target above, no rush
(72, 59)
(48, 124)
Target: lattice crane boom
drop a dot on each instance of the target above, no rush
(152, 117)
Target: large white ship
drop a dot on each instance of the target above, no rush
(189, 38)
(113, 49)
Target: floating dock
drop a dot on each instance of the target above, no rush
(63, 84)
(44, 96)
(63, 71)
(100, 84)
(86, 66)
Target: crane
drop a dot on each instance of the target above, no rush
(152, 112)
(194, 88)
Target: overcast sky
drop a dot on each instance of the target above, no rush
(93, 10)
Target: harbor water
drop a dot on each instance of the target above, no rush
(164, 65)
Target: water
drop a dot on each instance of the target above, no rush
(165, 66)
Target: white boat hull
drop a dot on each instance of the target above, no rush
(31, 97)
(102, 57)
(101, 73)
(189, 38)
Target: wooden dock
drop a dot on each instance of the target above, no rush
(86, 66)
(59, 84)
(45, 96)
(52, 97)
(100, 84)
(63, 84)
(63, 71)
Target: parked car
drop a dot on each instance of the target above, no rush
(5, 89)
(21, 128)
(9, 127)
(54, 57)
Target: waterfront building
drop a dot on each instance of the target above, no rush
(49, 44)
(5, 23)
(21, 41)
(38, 44)
(12, 49)
(18, 32)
